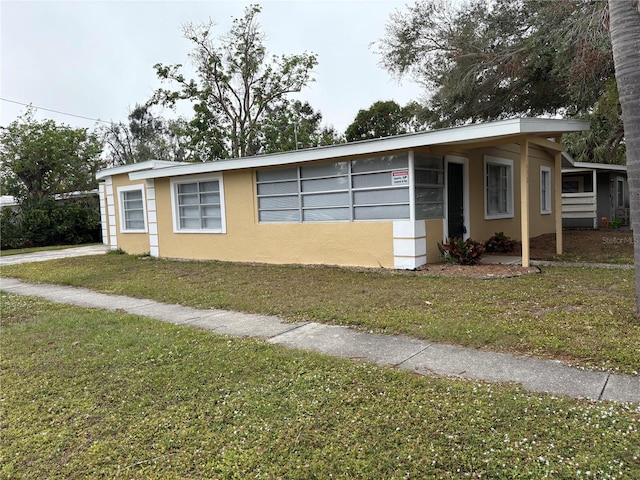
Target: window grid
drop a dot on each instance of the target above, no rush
(498, 188)
(133, 210)
(342, 203)
(429, 195)
(199, 206)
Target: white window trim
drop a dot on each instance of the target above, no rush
(174, 182)
(489, 160)
(123, 226)
(548, 199)
(620, 183)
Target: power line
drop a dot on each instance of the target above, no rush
(55, 111)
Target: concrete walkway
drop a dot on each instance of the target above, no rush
(406, 353)
(53, 254)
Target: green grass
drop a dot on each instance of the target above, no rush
(102, 395)
(585, 316)
(19, 251)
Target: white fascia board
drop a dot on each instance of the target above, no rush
(135, 167)
(601, 166)
(552, 125)
(466, 133)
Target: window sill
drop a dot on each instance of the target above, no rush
(499, 216)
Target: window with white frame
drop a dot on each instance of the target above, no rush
(375, 188)
(620, 192)
(545, 190)
(132, 209)
(498, 190)
(198, 205)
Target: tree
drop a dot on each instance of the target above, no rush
(290, 125)
(147, 137)
(485, 60)
(236, 84)
(625, 38)
(384, 119)
(603, 142)
(40, 159)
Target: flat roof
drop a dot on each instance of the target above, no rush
(137, 167)
(448, 136)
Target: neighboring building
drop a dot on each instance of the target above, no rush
(377, 203)
(594, 194)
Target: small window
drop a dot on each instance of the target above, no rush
(545, 190)
(132, 209)
(620, 192)
(498, 188)
(197, 206)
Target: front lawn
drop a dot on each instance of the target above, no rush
(95, 394)
(583, 315)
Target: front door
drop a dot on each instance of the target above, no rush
(455, 200)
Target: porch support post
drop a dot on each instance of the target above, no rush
(557, 198)
(524, 201)
(594, 177)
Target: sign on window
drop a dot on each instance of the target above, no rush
(400, 177)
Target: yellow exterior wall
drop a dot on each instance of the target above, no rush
(435, 234)
(362, 243)
(133, 243)
(367, 244)
(481, 228)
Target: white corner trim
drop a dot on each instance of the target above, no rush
(409, 244)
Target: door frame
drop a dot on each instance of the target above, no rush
(464, 161)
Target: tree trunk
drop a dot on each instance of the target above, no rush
(624, 17)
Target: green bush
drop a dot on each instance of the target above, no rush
(500, 243)
(464, 252)
(10, 228)
(68, 222)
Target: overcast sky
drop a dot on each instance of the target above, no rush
(95, 59)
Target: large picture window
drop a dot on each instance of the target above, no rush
(132, 209)
(498, 187)
(374, 188)
(198, 206)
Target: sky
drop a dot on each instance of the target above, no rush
(95, 59)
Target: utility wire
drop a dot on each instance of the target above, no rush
(55, 111)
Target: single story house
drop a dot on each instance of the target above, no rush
(594, 194)
(386, 202)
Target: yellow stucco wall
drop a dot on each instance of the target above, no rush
(133, 243)
(481, 228)
(435, 234)
(338, 243)
(363, 243)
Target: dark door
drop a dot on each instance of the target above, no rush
(455, 200)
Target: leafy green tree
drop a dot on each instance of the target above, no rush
(290, 125)
(41, 159)
(384, 119)
(604, 142)
(236, 84)
(625, 38)
(494, 59)
(148, 137)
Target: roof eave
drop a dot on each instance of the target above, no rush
(486, 131)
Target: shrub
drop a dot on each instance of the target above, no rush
(500, 243)
(464, 252)
(10, 228)
(51, 222)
